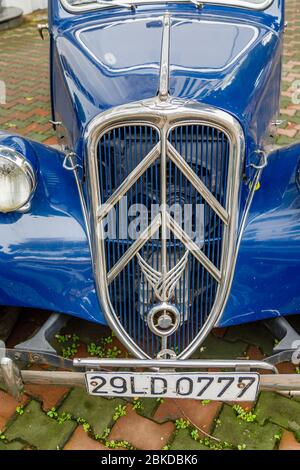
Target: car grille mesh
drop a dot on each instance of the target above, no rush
(206, 150)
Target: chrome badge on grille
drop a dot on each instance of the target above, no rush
(163, 319)
(163, 284)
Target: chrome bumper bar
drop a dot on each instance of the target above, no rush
(14, 377)
(238, 365)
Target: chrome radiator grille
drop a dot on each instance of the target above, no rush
(205, 150)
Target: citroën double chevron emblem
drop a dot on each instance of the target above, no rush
(163, 285)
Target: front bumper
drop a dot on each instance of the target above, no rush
(15, 374)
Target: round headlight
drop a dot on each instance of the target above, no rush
(17, 180)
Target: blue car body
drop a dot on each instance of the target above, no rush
(226, 57)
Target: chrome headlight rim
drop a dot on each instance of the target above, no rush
(17, 158)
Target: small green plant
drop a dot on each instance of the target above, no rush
(113, 353)
(111, 444)
(277, 437)
(160, 400)
(137, 405)
(105, 434)
(120, 411)
(195, 434)
(214, 445)
(245, 415)
(241, 447)
(297, 370)
(71, 341)
(63, 418)
(166, 447)
(52, 413)
(100, 350)
(62, 339)
(118, 445)
(125, 445)
(95, 350)
(108, 339)
(81, 421)
(205, 402)
(69, 352)
(86, 427)
(20, 410)
(2, 436)
(181, 424)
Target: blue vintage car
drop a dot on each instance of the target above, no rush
(166, 210)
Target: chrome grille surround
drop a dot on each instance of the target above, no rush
(164, 116)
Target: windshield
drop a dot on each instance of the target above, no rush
(79, 5)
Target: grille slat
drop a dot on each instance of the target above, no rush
(206, 150)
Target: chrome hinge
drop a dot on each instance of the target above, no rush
(278, 122)
(263, 160)
(69, 162)
(60, 133)
(55, 123)
(273, 127)
(41, 28)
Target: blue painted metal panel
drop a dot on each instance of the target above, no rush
(91, 74)
(44, 256)
(45, 260)
(266, 281)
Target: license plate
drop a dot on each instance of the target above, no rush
(205, 386)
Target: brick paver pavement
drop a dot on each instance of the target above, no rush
(24, 68)
(63, 418)
(290, 99)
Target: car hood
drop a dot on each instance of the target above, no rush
(224, 62)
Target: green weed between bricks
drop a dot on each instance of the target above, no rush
(137, 405)
(20, 410)
(101, 352)
(208, 442)
(120, 411)
(103, 438)
(244, 415)
(71, 349)
(71, 344)
(112, 444)
(101, 349)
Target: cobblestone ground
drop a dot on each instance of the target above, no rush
(64, 418)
